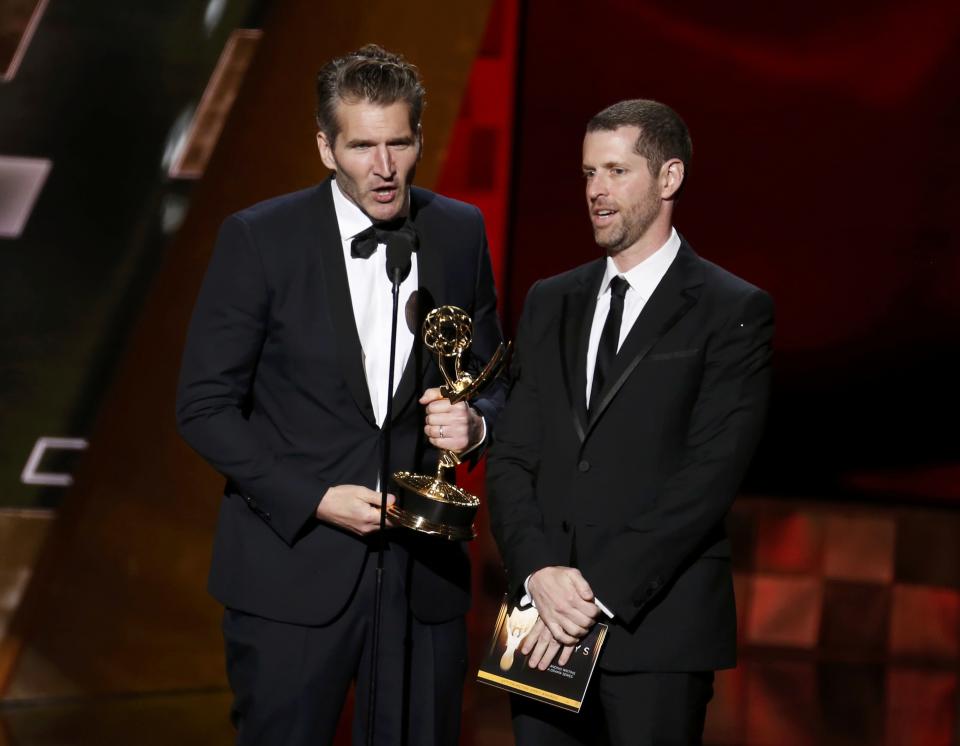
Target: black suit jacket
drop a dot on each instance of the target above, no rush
(635, 494)
(272, 394)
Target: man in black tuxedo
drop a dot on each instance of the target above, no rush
(640, 389)
(283, 389)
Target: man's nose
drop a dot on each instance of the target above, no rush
(596, 187)
(383, 162)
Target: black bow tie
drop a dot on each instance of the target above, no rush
(366, 241)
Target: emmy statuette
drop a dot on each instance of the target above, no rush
(430, 504)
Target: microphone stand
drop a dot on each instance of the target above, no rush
(397, 276)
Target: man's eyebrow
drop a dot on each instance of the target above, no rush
(370, 143)
(608, 164)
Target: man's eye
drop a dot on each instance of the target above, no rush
(618, 171)
(588, 174)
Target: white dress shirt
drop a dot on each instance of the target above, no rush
(642, 280)
(371, 294)
(372, 299)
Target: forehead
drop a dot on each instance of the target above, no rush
(605, 146)
(368, 120)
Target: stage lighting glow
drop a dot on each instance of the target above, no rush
(31, 473)
(21, 180)
(213, 15)
(177, 139)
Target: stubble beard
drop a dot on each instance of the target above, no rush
(634, 223)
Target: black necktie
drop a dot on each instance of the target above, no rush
(609, 338)
(366, 241)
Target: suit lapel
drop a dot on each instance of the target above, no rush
(676, 294)
(431, 292)
(578, 308)
(339, 305)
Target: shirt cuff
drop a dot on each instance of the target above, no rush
(483, 436)
(603, 608)
(527, 599)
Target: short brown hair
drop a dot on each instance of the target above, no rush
(370, 74)
(663, 135)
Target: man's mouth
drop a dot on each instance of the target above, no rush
(602, 216)
(385, 194)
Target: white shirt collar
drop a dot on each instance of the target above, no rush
(645, 277)
(350, 219)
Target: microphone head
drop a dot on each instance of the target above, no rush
(400, 245)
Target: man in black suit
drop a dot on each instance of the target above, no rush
(283, 389)
(640, 389)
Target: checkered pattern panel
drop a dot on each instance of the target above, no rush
(840, 580)
(849, 626)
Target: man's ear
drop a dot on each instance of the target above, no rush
(419, 141)
(326, 151)
(671, 178)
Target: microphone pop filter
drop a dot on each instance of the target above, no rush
(400, 245)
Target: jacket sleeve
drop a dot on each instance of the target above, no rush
(725, 426)
(515, 516)
(224, 340)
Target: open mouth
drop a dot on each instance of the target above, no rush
(385, 194)
(602, 217)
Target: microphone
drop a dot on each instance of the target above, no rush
(400, 245)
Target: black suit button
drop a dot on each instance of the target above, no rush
(584, 465)
(566, 527)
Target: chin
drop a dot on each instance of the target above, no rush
(380, 214)
(383, 212)
(607, 241)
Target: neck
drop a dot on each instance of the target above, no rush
(644, 247)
